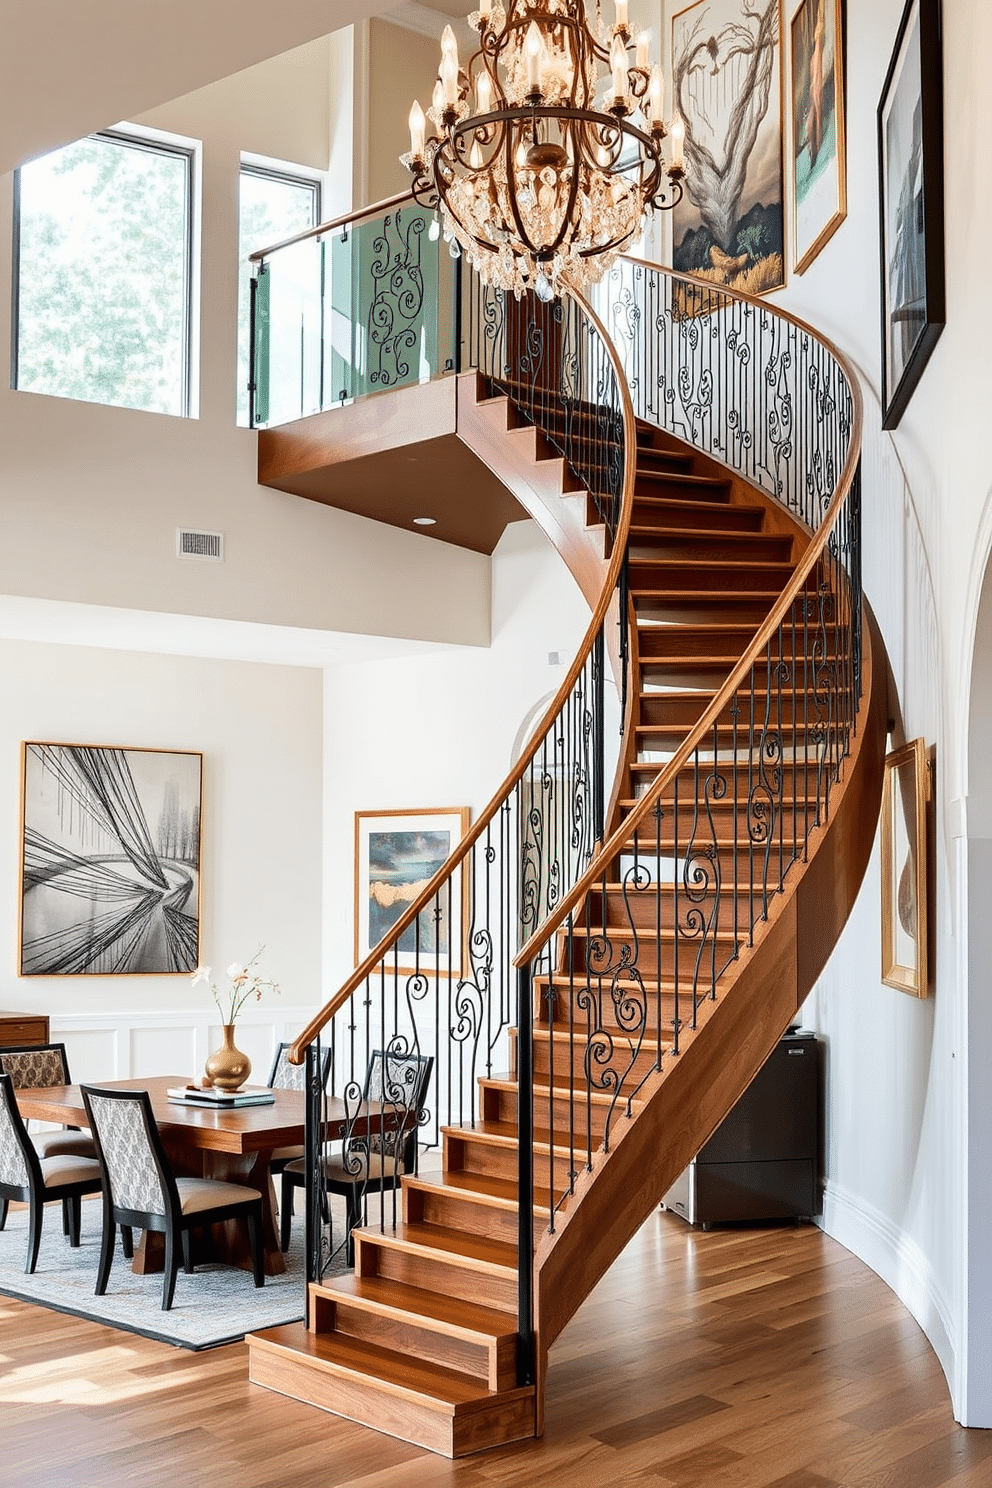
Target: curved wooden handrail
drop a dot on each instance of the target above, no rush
(765, 632)
(358, 215)
(296, 1053)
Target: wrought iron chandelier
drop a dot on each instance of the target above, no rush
(547, 150)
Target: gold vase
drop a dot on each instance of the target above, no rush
(227, 1067)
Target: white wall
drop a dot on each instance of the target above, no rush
(898, 1174)
(259, 729)
(440, 730)
(90, 497)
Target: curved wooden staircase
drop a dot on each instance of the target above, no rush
(636, 1053)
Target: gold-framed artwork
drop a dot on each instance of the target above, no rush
(906, 796)
(110, 860)
(397, 853)
(817, 149)
(728, 227)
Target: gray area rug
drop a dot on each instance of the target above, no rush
(216, 1305)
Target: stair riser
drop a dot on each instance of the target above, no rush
(698, 546)
(676, 643)
(630, 1066)
(492, 1362)
(774, 712)
(493, 1159)
(654, 960)
(653, 511)
(694, 488)
(436, 1271)
(451, 1211)
(696, 605)
(738, 575)
(556, 1111)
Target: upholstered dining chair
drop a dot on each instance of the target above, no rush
(375, 1161)
(140, 1190)
(37, 1181)
(286, 1076)
(35, 1067)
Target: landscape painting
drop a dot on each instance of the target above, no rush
(397, 853)
(727, 79)
(819, 168)
(110, 880)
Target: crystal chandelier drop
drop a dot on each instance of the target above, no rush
(547, 146)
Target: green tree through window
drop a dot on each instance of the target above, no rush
(104, 274)
(273, 206)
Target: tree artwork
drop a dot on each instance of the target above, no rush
(727, 84)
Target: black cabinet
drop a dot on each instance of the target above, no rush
(762, 1161)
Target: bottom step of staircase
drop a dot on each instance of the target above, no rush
(433, 1407)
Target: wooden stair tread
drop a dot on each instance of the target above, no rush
(481, 1252)
(450, 1314)
(499, 1192)
(399, 1374)
(547, 1092)
(499, 1133)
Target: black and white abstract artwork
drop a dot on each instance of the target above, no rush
(111, 861)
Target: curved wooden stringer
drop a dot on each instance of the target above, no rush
(672, 946)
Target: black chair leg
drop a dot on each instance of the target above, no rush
(4, 1206)
(71, 1211)
(127, 1242)
(187, 1254)
(286, 1210)
(254, 1218)
(171, 1269)
(36, 1216)
(106, 1250)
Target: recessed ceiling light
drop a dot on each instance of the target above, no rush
(425, 521)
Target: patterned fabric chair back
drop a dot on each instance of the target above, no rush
(36, 1068)
(121, 1130)
(286, 1076)
(399, 1082)
(13, 1136)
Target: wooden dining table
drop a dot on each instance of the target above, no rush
(235, 1144)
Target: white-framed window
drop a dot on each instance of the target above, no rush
(274, 203)
(103, 272)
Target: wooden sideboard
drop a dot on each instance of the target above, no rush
(22, 1028)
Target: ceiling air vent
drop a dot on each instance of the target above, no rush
(191, 544)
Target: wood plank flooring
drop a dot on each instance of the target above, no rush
(766, 1358)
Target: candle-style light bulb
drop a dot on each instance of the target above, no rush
(437, 98)
(483, 92)
(417, 126)
(644, 50)
(656, 95)
(535, 48)
(618, 64)
(677, 134)
(621, 12)
(449, 42)
(475, 156)
(449, 80)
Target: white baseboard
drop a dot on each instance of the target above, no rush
(873, 1238)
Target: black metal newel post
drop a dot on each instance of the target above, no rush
(525, 1177)
(252, 296)
(312, 1164)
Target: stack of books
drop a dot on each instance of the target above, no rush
(196, 1095)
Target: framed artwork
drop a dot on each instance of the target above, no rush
(911, 205)
(396, 854)
(110, 860)
(906, 795)
(819, 162)
(727, 81)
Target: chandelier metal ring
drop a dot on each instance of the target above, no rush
(551, 173)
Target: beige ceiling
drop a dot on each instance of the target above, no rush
(68, 67)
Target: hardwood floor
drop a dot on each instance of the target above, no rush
(735, 1359)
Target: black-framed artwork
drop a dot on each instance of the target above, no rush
(911, 192)
(110, 860)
